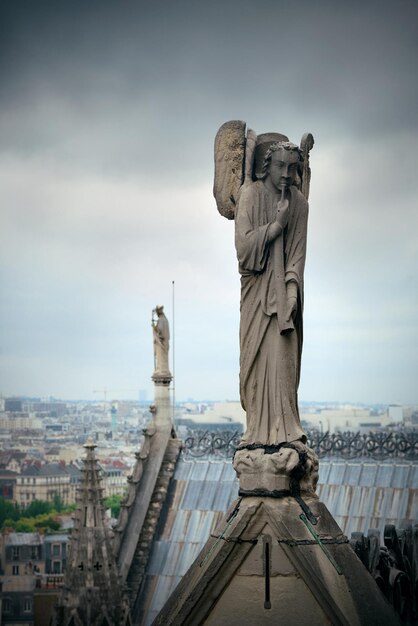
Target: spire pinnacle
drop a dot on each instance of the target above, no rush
(92, 591)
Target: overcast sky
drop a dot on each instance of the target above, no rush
(108, 113)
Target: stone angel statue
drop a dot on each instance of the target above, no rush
(262, 182)
(161, 336)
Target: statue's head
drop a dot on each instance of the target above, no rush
(159, 309)
(281, 164)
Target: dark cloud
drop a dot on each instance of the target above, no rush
(108, 115)
(107, 84)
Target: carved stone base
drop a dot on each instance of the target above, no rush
(274, 470)
(162, 378)
(266, 563)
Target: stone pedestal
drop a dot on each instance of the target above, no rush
(276, 470)
(162, 402)
(277, 561)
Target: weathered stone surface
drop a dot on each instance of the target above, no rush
(92, 591)
(261, 470)
(229, 163)
(270, 215)
(310, 574)
(148, 485)
(270, 239)
(161, 335)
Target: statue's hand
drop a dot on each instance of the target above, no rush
(282, 215)
(280, 223)
(292, 307)
(292, 299)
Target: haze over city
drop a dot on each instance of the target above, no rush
(108, 116)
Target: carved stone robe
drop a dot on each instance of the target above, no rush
(271, 344)
(161, 333)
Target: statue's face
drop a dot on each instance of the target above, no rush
(283, 168)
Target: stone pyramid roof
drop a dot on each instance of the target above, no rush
(92, 592)
(266, 563)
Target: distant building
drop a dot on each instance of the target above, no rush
(13, 404)
(346, 418)
(12, 460)
(8, 481)
(21, 558)
(55, 550)
(113, 479)
(395, 413)
(30, 564)
(44, 483)
(13, 420)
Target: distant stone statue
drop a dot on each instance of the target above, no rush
(161, 334)
(267, 197)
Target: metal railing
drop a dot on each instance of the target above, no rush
(378, 445)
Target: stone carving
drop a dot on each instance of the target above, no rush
(267, 197)
(161, 334)
(393, 566)
(277, 470)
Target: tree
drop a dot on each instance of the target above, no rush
(58, 503)
(8, 510)
(37, 507)
(113, 503)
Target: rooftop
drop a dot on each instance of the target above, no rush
(359, 493)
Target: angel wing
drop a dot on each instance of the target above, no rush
(229, 166)
(250, 146)
(306, 145)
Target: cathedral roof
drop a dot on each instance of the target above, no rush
(360, 494)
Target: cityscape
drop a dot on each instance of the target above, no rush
(208, 313)
(42, 447)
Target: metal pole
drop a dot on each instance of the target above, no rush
(174, 360)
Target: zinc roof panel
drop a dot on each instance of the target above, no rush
(199, 527)
(183, 469)
(215, 469)
(180, 525)
(342, 503)
(175, 494)
(414, 477)
(380, 502)
(392, 503)
(207, 495)
(170, 565)
(191, 494)
(352, 473)
(342, 521)
(364, 502)
(228, 472)
(384, 475)
(401, 474)
(329, 495)
(355, 523)
(199, 470)
(205, 489)
(158, 558)
(368, 474)
(324, 470)
(224, 495)
(161, 593)
(336, 473)
(412, 506)
(187, 555)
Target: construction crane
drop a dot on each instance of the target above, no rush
(105, 391)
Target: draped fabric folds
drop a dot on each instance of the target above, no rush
(270, 341)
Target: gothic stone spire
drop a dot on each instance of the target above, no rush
(92, 592)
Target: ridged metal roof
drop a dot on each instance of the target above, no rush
(360, 495)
